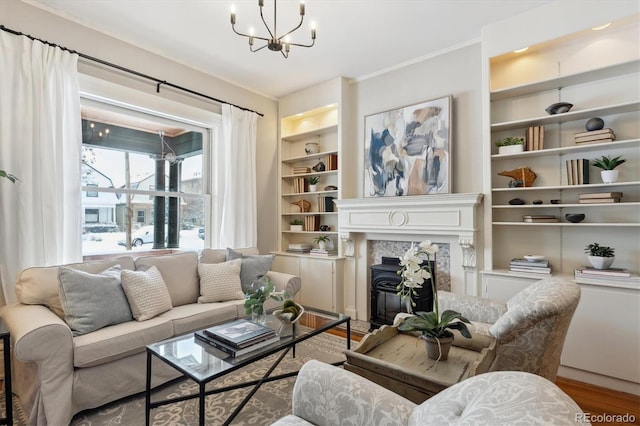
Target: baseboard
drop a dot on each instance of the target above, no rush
(599, 380)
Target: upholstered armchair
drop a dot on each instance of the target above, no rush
(331, 396)
(530, 328)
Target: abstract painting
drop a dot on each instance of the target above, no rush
(408, 150)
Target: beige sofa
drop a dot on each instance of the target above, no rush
(57, 373)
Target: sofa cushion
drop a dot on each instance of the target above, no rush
(146, 292)
(220, 255)
(198, 316)
(39, 285)
(253, 266)
(92, 301)
(119, 341)
(220, 282)
(180, 274)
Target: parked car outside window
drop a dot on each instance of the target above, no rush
(201, 233)
(142, 236)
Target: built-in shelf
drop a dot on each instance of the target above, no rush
(568, 224)
(317, 156)
(310, 134)
(569, 149)
(571, 205)
(325, 173)
(298, 194)
(577, 187)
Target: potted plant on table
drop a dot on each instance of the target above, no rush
(600, 257)
(261, 290)
(608, 164)
(433, 327)
(510, 145)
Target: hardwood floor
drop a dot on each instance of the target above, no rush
(595, 400)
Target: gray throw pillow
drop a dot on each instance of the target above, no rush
(92, 301)
(253, 266)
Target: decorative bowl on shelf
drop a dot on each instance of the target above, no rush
(559, 108)
(574, 217)
(534, 257)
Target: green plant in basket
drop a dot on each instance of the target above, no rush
(297, 222)
(596, 249)
(607, 163)
(508, 141)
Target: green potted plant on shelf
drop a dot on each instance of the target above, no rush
(608, 164)
(510, 145)
(432, 326)
(296, 225)
(322, 241)
(313, 183)
(600, 257)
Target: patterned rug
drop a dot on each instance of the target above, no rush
(272, 401)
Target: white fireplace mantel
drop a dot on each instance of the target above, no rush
(446, 217)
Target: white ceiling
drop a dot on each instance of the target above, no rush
(356, 38)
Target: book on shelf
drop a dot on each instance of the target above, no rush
(534, 138)
(616, 272)
(301, 170)
(596, 140)
(524, 262)
(606, 131)
(610, 279)
(332, 162)
(325, 203)
(531, 270)
(299, 185)
(591, 195)
(312, 223)
(231, 350)
(239, 333)
(539, 218)
(327, 253)
(577, 171)
(598, 200)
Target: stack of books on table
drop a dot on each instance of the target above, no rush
(299, 248)
(539, 218)
(239, 337)
(600, 197)
(610, 274)
(320, 252)
(602, 135)
(535, 267)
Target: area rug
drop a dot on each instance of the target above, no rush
(271, 402)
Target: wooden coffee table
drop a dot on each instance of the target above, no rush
(398, 361)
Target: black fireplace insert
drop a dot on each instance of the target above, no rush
(385, 302)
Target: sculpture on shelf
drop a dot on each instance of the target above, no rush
(304, 205)
(522, 176)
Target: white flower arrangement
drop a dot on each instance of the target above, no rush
(414, 272)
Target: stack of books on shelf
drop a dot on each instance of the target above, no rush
(238, 337)
(301, 170)
(600, 197)
(534, 138)
(325, 203)
(332, 162)
(611, 274)
(299, 185)
(539, 218)
(326, 253)
(594, 136)
(299, 248)
(578, 171)
(312, 223)
(534, 267)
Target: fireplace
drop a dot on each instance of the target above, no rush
(385, 302)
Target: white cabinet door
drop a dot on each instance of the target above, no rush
(318, 284)
(503, 288)
(604, 334)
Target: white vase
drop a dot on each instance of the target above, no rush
(322, 245)
(609, 176)
(510, 149)
(313, 188)
(599, 262)
(296, 228)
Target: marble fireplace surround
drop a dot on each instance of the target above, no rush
(445, 218)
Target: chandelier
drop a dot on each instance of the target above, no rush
(273, 42)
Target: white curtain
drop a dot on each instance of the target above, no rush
(237, 178)
(40, 143)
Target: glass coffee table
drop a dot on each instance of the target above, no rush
(203, 363)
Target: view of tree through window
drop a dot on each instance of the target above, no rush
(142, 184)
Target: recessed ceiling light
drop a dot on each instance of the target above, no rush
(524, 49)
(601, 27)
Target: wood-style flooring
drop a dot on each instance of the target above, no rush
(597, 401)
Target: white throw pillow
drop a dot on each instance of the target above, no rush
(220, 282)
(146, 292)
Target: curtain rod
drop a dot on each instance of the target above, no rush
(128, 70)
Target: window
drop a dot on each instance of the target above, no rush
(142, 171)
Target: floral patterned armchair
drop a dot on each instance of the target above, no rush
(530, 328)
(328, 395)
